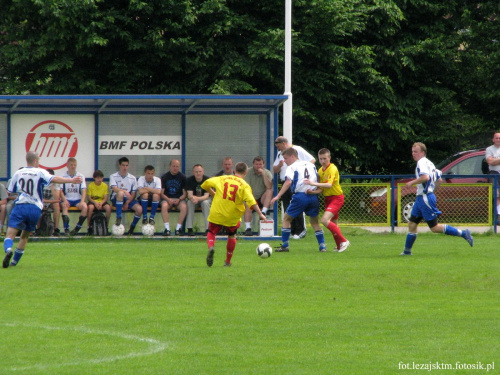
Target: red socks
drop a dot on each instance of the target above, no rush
(337, 234)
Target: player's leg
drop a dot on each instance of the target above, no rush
(107, 209)
(65, 210)
(285, 233)
(136, 207)
(182, 207)
(118, 202)
(144, 204)
(90, 212)
(190, 218)
(56, 207)
(3, 209)
(318, 232)
(82, 206)
(247, 216)
(231, 244)
(26, 218)
(213, 229)
(165, 206)
(265, 199)
(205, 209)
(8, 244)
(155, 201)
(333, 204)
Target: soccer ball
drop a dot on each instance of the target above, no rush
(148, 230)
(264, 250)
(118, 230)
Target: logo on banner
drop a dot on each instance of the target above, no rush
(54, 141)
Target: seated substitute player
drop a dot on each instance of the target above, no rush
(425, 208)
(304, 200)
(173, 195)
(227, 166)
(329, 182)
(149, 187)
(231, 192)
(51, 201)
(28, 206)
(260, 180)
(123, 190)
(97, 195)
(197, 197)
(73, 196)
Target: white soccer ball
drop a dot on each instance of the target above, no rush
(264, 250)
(148, 230)
(117, 230)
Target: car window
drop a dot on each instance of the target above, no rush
(468, 166)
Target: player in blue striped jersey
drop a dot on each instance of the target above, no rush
(28, 182)
(304, 199)
(425, 208)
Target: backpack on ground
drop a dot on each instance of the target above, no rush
(98, 224)
(47, 226)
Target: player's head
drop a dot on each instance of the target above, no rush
(258, 162)
(198, 172)
(241, 169)
(71, 164)
(32, 159)
(175, 166)
(324, 157)
(418, 151)
(98, 176)
(281, 143)
(149, 172)
(227, 165)
(123, 164)
(290, 155)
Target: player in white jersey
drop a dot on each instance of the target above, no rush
(298, 224)
(304, 199)
(123, 191)
(425, 207)
(149, 187)
(28, 182)
(73, 195)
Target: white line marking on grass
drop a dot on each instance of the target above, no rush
(156, 346)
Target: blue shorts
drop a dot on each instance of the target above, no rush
(425, 206)
(74, 203)
(25, 217)
(131, 204)
(302, 202)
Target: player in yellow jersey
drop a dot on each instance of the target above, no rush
(229, 193)
(97, 195)
(329, 181)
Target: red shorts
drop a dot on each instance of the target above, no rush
(215, 228)
(333, 204)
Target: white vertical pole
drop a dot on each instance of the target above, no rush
(287, 106)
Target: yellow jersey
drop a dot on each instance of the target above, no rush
(227, 204)
(330, 175)
(97, 192)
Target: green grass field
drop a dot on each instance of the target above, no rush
(139, 306)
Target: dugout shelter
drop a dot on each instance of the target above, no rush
(149, 129)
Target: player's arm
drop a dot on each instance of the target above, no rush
(267, 181)
(420, 180)
(284, 188)
(492, 160)
(84, 195)
(322, 185)
(184, 195)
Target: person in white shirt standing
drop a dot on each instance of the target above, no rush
(279, 166)
(28, 182)
(304, 197)
(73, 196)
(492, 156)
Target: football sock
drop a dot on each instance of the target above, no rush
(119, 207)
(65, 221)
(7, 244)
(167, 226)
(451, 231)
(320, 237)
(248, 225)
(410, 240)
(264, 210)
(144, 204)
(135, 221)
(178, 227)
(17, 256)
(337, 234)
(231, 244)
(285, 236)
(210, 239)
(154, 208)
(81, 220)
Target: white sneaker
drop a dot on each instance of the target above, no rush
(344, 246)
(303, 233)
(296, 237)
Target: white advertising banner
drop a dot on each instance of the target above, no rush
(140, 145)
(55, 138)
